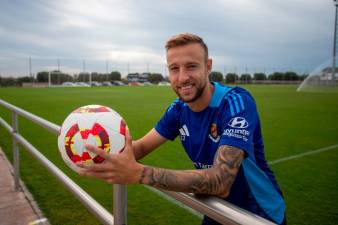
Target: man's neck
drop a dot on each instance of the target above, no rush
(202, 102)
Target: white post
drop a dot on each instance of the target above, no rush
(49, 80)
(16, 155)
(120, 204)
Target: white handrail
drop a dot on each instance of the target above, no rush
(93, 206)
(215, 208)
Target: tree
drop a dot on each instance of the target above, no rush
(66, 77)
(166, 78)
(42, 76)
(276, 76)
(291, 76)
(231, 78)
(155, 78)
(303, 76)
(25, 79)
(83, 77)
(259, 76)
(58, 77)
(115, 75)
(216, 76)
(246, 78)
(103, 77)
(8, 81)
(95, 76)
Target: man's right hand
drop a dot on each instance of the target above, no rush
(117, 168)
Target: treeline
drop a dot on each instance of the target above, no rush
(248, 78)
(58, 77)
(11, 81)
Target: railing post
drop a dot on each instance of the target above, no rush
(120, 204)
(16, 156)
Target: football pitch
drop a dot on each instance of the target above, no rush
(293, 124)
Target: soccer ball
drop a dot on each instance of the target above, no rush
(93, 124)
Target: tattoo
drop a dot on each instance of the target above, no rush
(215, 181)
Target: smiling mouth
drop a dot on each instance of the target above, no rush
(185, 87)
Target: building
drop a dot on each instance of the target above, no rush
(137, 77)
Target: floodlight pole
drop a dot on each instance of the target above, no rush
(30, 69)
(334, 42)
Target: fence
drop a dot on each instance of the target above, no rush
(214, 207)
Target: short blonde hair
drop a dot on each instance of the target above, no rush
(185, 39)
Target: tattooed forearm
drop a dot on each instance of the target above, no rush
(182, 181)
(215, 181)
(226, 164)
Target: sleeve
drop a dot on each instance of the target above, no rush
(168, 125)
(239, 122)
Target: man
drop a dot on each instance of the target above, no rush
(220, 130)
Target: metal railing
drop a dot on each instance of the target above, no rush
(216, 208)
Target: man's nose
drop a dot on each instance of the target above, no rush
(183, 76)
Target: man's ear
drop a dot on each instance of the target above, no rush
(209, 66)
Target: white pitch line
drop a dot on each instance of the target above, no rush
(273, 162)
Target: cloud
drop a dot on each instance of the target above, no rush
(242, 33)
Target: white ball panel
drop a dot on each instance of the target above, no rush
(92, 141)
(117, 142)
(79, 144)
(110, 120)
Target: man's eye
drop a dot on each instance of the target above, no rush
(192, 66)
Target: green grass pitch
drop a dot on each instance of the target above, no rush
(292, 123)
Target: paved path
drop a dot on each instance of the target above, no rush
(16, 208)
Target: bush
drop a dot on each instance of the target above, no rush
(231, 78)
(155, 78)
(8, 81)
(25, 79)
(42, 76)
(291, 76)
(216, 76)
(115, 75)
(246, 78)
(259, 76)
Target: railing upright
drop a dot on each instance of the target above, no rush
(16, 156)
(120, 204)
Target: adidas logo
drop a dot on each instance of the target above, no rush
(184, 132)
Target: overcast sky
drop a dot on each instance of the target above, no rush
(129, 35)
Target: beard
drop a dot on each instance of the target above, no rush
(199, 91)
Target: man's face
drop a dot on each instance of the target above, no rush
(188, 71)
